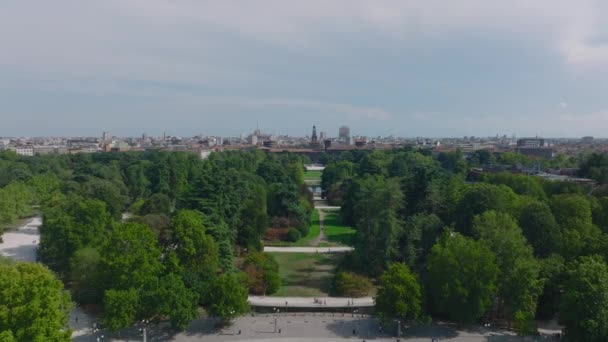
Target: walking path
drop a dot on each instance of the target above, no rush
(307, 249)
(310, 302)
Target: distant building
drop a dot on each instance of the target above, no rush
(27, 150)
(531, 142)
(43, 150)
(314, 140)
(106, 136)
(344, 134)
(587, 140)
(322, 136)
(270, 143)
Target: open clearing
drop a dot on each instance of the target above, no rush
(313, 175)
(336, 232)
(305, 274)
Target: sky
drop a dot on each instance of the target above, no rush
(382, 67)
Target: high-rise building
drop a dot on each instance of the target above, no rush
(106, 136)
(322, 136)
(344, 133)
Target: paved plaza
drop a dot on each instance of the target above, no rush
(312, 327)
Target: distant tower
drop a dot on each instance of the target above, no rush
(314, 139)
(344, 133)
(106, 136)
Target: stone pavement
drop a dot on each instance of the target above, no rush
(312, 327)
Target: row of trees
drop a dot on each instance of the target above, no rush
(500, 248)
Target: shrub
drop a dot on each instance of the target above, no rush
(349, 284)
(293, 235)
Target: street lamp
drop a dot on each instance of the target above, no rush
(276, 313)
(398, 329)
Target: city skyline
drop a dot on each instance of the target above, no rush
(382, 68)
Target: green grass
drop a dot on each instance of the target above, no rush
(336, 231)
(306, 274)
(312, 175)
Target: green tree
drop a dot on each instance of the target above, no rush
(418, 237)
(33, 304)
(156, 204)
(461, 277)
(85, 275)
(169, 297)
(399, 296)
(480, 198)
(227, 297)
(584, 303)
(196, 251)
(519, 284)
(120, 308)
(130, 257)
(540, 228)
(377, 202)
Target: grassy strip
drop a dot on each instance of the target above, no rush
(313, 175)
(306, 274)
(336, 231)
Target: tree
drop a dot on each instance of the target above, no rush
(584, 303)
(120, 308)
(418, 237)
(33, 304)
(262, 272)
(196, 251)
(376, 203)
(480, 198)
(169, 297)
(85, 274)
(156, 204)
(519, 284)
(399, 296)
(540, 228)
(461, 277)
(227, 297)
(130, 257)
(574, 215)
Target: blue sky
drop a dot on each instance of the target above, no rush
(409, 68)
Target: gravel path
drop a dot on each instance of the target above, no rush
(309, 302)
(307, 249)
(21, 244)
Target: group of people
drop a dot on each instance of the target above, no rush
(319, 301)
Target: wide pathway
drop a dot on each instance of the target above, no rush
(310, 302)
(21, 244)
(307, 249)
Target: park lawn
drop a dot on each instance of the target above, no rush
(306, 274)
(312, 175)
(336, 231)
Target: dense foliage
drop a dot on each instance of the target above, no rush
(497, 246)
(153, 235)
(33, 304)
